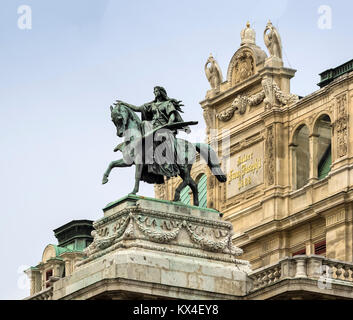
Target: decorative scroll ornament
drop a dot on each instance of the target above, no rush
(274, 96)
(240, 105)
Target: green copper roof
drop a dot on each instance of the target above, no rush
(331, 74)
(60, 250)
(74, 231)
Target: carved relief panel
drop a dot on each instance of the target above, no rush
(341, 126)
(244, 67)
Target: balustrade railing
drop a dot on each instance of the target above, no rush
(45, 294)
(302, 266)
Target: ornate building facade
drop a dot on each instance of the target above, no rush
(288, 200)
(289, 159)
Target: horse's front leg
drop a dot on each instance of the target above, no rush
(113, 164)
(138, 174)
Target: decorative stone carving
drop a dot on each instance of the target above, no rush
(284, 99)
(212, 239)
(137, 223)
(240, 104)
(226, 115)
(248, 35)
(160, 191)
(274, 97)
(270, 161)
(154, 228)
(273, 41)
(341, 126)
(244, 66)
(210, 191)
(209, 115)
(213, 73)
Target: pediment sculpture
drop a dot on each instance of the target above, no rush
(244, 66)
(213, 73)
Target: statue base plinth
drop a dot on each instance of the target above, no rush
(274, 62)
(146, 248)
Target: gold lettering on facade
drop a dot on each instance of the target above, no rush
(246, 170)
(246, 165)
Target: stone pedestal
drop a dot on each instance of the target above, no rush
(274, 62)
(148, 248)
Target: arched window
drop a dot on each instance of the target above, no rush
(301, 157)
(323, 157)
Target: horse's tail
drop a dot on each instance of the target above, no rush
(208, 154)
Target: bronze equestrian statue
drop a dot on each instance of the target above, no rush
(151, 144)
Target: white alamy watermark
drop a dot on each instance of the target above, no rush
(325, 280)
(24, 21)
(325, 18)
(23, 282)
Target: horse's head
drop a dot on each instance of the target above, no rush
(120, 118)
(125, 120)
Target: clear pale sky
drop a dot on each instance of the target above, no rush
(58, 79)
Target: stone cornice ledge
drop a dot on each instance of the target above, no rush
(300, 217)
(144, 287)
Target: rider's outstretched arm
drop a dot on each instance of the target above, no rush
(131, 106)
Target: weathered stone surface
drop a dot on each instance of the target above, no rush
(183, 250)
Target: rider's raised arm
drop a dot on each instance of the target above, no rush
(131, 106)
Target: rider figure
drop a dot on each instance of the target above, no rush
(155, 114)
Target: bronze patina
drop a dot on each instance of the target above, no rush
(151, 145)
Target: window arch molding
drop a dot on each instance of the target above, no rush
(295, 129)
(317, 118)
(300, 156)
(322, 146)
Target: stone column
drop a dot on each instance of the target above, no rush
(314, 162)
(68, 270)
(293, 165)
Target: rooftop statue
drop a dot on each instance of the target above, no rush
(213, 72)
(248, 35)
(272, 41)
(151, 144)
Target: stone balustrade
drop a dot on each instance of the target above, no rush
(312, 267)
(46, 294)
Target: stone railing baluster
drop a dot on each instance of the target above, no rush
(312, 267)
